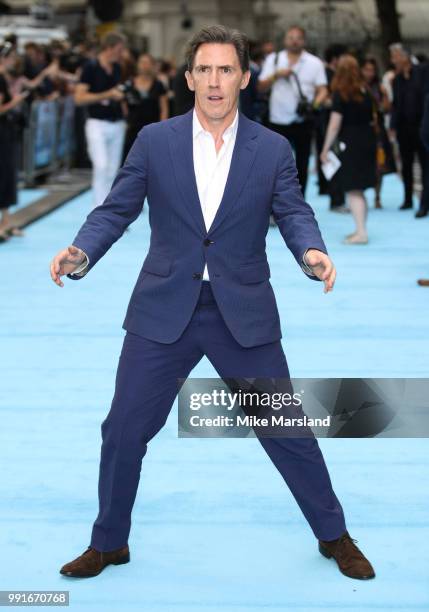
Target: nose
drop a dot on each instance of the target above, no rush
(213, 78)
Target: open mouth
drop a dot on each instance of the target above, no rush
(215, 98)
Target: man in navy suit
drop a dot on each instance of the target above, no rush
(211, 178)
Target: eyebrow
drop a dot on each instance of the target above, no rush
(210, 66)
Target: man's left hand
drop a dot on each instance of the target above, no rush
(322, 267)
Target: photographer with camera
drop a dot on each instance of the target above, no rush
(105, 126)
(298, 84)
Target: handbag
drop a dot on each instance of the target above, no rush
(384, 157)
(305, 108)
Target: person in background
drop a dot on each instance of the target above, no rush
(250, 97)
(267, 47)
(146, 99)
(8, 166)
(128, 64)
(105, 125)
(407, 110)
(351, 121)
(424, 133)
(281, 72)
(332, 187)
(166, 72)
(381, 105)
(183, 97)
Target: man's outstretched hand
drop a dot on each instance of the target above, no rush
(322, 267)
(65, 262)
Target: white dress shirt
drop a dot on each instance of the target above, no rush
(211, 173)
(211, 168)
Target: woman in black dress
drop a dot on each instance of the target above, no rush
(8, 165)
(352, 121)
(146, 97)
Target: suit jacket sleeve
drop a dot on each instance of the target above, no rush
(294, 217)
(107, 222)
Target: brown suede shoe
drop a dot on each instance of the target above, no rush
(349, 558)
(92, 562)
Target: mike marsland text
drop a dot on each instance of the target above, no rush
(253, 421)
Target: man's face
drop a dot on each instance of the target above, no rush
(294, 41)
(116, 52)
(398, 59)
(216, 79)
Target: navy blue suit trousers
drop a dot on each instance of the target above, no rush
(145, 389)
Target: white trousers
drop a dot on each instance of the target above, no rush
(105, 142)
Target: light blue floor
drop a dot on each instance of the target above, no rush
(28, 196)
(214, 526)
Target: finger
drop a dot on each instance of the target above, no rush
(327, 271)
(55, 277)
(57, 265)
(329, 283)
(52, 271)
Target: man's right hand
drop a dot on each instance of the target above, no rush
(114, 94)
(284, 73)
(65, 262)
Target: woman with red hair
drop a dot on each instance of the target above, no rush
(352, 121)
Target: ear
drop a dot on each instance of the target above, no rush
(190, 80)
(245, 79)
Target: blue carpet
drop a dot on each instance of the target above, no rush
(214, 527)
(28, 196)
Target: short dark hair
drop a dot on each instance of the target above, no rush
(219, 34)
(111, 39)
(334, 51)
(299, 28)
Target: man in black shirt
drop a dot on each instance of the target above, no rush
(407, 111)
(105, 125)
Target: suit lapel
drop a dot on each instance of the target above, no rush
(242, 160)
(181, 149)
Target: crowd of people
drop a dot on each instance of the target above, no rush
(340, 105)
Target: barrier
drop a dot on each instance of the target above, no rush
(48, 139)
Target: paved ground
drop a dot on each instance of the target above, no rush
(214, 527)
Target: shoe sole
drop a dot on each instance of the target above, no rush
(328, 555)
(125, 559)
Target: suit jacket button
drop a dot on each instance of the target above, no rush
(207, 242)
(197, 275)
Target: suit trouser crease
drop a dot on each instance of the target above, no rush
(145, 389)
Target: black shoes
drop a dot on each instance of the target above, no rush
(421, 213)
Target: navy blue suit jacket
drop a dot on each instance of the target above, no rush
(262, 180)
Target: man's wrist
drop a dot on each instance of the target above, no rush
(304, 264)
(82, 266)
(306, 268)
